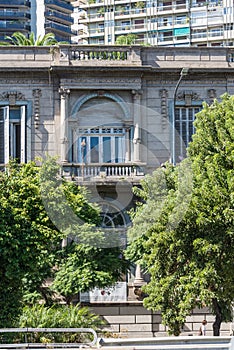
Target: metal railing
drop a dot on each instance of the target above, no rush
(26, 344)
(171, 343)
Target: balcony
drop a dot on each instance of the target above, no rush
(58, 16)
(19, 3)
(60, 5)
(59, 28)
(103, 172)
(14, 15)
(14, 26)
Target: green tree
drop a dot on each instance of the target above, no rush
(84, 267)
(32, 226)
(187, 244)
(27, 238)
(128, 39)
(20, 39)
(212, 155)
(161, 244)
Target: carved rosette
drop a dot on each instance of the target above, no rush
(36, 104)
(164, 95)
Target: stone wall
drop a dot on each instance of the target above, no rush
(129, 320)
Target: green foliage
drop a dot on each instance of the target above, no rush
(187, 244)
(20, 39)
(27, 238)
(86, 267)
(128, 39)
(57, 316)
(38, 209)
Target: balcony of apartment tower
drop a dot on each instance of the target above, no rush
(62, 32)
(19, 3)
(203, 3)
(172, 6)
(64, 6)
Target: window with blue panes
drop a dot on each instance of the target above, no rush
(101, 145)
(184, 129)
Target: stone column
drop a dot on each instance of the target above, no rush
(137, 125)
(63, 123)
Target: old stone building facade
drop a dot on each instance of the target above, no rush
(111, 115)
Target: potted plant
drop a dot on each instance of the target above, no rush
(101, 11)
(139, 6)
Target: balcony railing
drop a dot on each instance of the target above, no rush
(59, 16)
(23, 3)
(14, 14)
(14, 26)
(172, 7)
(58, 27)
(102, 171)
(59, 4)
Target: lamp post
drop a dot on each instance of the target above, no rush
(183, 73)
(83, 144)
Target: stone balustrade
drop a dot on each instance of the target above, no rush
(102, 171)
(96, 55)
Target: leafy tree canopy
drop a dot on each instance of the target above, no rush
(128, 39)
(187, 243)
(34, 217)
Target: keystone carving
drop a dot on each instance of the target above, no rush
(187, 96)
(211, 93)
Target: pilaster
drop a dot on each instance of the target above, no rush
(64, 93)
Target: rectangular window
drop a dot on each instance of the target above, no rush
(12, 133)
(101, 145)
(184, 129)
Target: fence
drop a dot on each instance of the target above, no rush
(25, 338)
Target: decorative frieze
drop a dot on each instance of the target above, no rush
(123, 83)
(164, 114)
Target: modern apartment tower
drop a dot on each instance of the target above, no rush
(157, 22)
(38, 16)
(52, 16)
(15, 15)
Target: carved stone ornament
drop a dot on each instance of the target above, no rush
(36, 104)
(187, 96)
(211, 93)
(164, 95)
(12, 97)
(64, 92)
